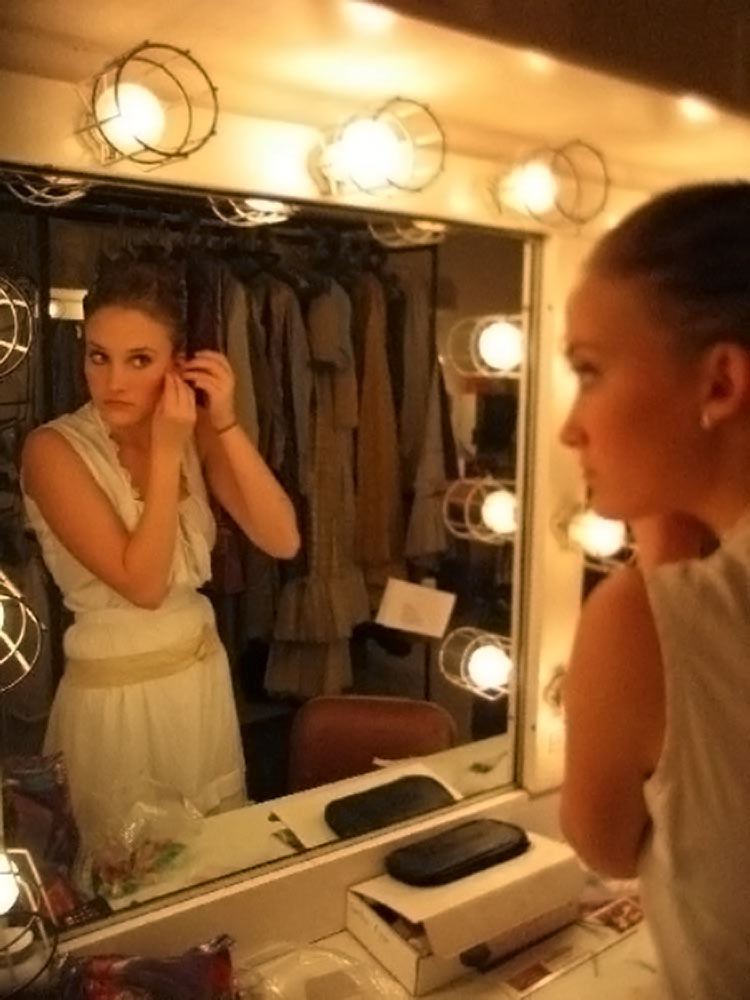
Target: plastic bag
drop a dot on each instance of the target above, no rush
(131, 838)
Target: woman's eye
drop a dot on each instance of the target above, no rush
(96, 357)
(585, 373)
(141, 360)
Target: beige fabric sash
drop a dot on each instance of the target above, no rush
(116, 671)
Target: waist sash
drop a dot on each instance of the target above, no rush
(116, 671)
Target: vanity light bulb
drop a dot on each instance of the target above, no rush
(266, 205)
(8, 883)
(599, 537)
(129, 117)
(499, 512)
(532, 187)
(370, 154)
(489, 667)
(500, 346)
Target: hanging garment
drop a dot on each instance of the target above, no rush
(317, 611)
(177, 727)
(418, 353)
(234, 322)
(379, 520)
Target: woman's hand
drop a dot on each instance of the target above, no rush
(173, 421)
(211, 372)
(666, 538)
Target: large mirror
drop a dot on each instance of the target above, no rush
(443, 423)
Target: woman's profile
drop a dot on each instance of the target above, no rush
(117, 493)
(657, 694)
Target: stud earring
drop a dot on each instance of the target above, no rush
(706, 421)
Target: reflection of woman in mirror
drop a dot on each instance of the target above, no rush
(657, 696)
(116, 495)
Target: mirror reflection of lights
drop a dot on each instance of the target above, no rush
(477, 661)
(368, 16)
(531, 187)
(9, 889)
(371, 154)
(499, 512)
(696, 109)
(489, 667)
(599, 537)
(500, 345)
(130, 117)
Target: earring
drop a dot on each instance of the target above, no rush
(706, 421)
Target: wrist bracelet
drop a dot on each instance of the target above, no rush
(228, 427)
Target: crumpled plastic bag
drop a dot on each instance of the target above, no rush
(133, 837)
(201, 973)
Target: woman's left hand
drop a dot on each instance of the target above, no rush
(211, 372)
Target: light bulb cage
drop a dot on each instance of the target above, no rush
(249, 212)
(412, 122)
(17, 325)
(178, 81)
(44, 190)
(455, 652)
(20, 635)
(399, 234)
(582, 182)
(28, 927)
(463, 503)
(462, 346)
(561, 527)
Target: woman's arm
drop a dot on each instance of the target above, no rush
(614, 705)
(236, 474)
(136, 564)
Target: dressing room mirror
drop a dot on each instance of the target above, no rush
(447, 423)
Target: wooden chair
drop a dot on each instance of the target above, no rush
(338, 736)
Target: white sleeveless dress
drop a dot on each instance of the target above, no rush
(695, 867)
(179, 730)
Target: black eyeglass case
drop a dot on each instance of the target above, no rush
(454, 853)
(378, 807)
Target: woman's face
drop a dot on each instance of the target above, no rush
(127, 356)
(635, 421)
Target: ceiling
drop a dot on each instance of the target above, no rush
(311, 61)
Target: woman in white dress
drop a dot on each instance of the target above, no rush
(117, 496)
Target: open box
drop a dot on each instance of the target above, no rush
(426, 937)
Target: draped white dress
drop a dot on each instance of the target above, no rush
(179, 730)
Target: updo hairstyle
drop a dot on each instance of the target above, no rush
(690, 248)
(155, 287)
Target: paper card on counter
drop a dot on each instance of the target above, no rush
(414, 608)
(303, 811)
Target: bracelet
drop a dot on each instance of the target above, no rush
(223, 430)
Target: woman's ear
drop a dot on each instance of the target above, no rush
(178, 360)
(726, 387)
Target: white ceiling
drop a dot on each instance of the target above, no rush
(309, 61)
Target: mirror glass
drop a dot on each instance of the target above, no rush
(413, 423)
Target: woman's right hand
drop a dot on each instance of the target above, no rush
(173, 421)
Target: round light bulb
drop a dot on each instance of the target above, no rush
(370, 154)
(489, 667)
(8, 883)
(500, 346)
(129, 117)
(499, 512)
(696, 109)
(600, 537)
(532, 187)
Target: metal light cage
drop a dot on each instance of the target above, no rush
(581, 184)
(20, 635)
(28, 936)
(44, 190)
(248, 212)
(180, 85)
(402, 233)
(465, 504)
(462, 346)
(17, 325)
(456, 651)
(411, 123)
(565, 529)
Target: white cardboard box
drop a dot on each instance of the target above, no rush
(504, 907)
